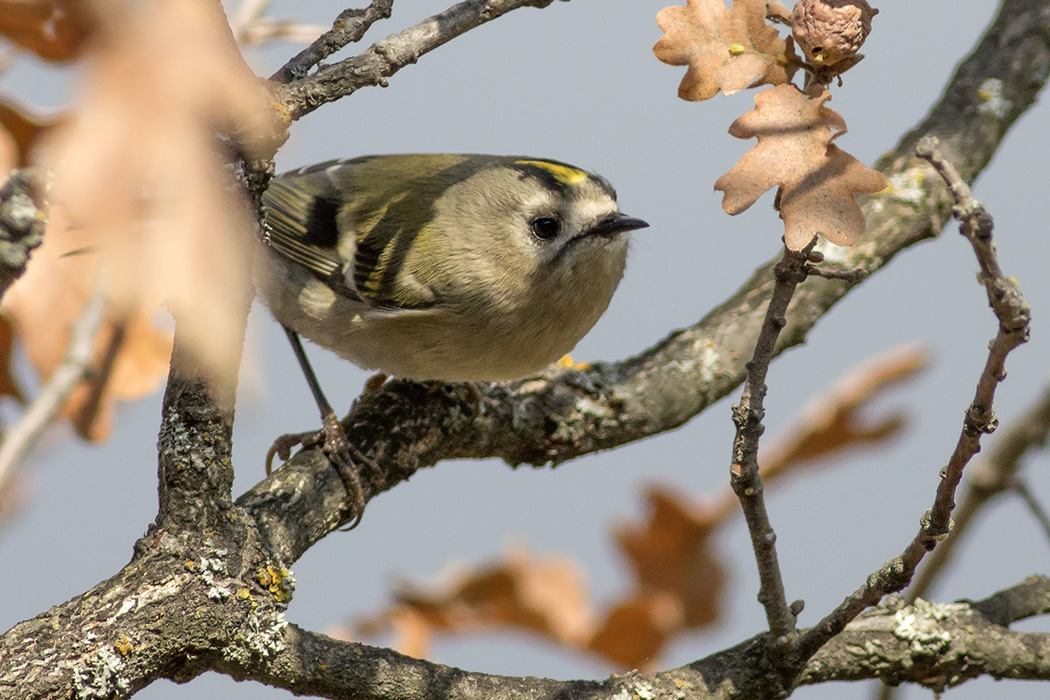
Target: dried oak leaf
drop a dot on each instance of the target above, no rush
(131, 354)
(54, 30)
(725, 49)
(636, 630)
(545, 595)
(835, 420)
(679, 578)
(817, 179)
(25, 130)
(672, 553)
(141, 168)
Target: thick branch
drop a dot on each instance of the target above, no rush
(933, 645)
(940, 646)
(188, 598)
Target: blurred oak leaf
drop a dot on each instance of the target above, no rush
(24, 129)
(636, 630)
(672, 553)
(835, 420)
(131, 355)
(545, 595)
(817, 180)
(679, 578)
(8, 383)
(54, 30)
(725, 49)
(141, 171)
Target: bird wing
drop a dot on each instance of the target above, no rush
(360, 240)
(300, 226)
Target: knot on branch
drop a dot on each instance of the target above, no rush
(936, 531)
(1014, 313)
(23, 218)
(892, 577)
(978, 421)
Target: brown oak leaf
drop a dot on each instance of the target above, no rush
(54, 30)
(673, 553)
(836, 420)
(544, 594)
(679, 577)
(725, 49)
(817, 179)
(8, 383)
(25, 130)
(637, 630)
(131, 354)
(140, 168)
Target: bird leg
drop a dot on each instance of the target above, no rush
(331, 437)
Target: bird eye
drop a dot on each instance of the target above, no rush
(545, 228)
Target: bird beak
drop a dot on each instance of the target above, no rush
(617, 223)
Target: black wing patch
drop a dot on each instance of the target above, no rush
(302, 229)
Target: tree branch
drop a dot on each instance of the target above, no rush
(988, 478)
(1038, 511)
(567, 413)
(349, 27)
(933, 645)
(1013, 315)
(939, 646)
(744, 472)
(386, 57)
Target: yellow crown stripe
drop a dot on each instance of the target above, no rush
(562, 173)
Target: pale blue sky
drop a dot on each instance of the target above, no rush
(578, 82)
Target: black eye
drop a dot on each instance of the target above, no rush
(545, 228)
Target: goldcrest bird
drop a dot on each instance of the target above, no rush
(440, 266)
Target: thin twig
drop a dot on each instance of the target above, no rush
(24, 434)
(1020, 487)
(1013, 315)
(267, 29)
(988, 478)
(349, 27)
(386, 57)
(851, 276)
(245, 15)
(744, 472)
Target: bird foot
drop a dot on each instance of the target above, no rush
(341, 454)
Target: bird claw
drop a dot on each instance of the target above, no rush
(282, 446)
(341, 454)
